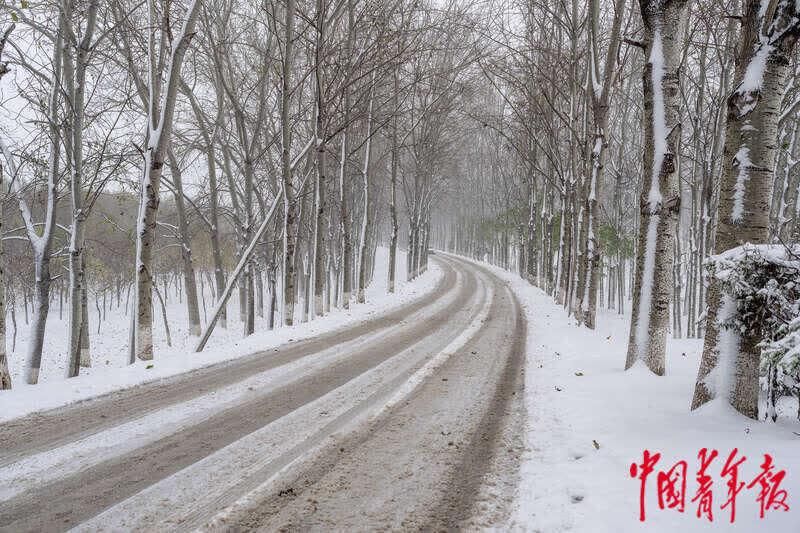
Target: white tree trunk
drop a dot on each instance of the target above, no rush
(5, 376)
(362, 248)
(289, 209)
(187, 264)
(665, 29)
(160, 115)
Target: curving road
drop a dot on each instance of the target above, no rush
(407, 421)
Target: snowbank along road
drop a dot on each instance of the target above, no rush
(407, 421)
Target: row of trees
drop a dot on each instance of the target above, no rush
(623, 148)
(607, 149)
(277, 133)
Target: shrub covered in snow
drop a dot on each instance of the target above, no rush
(781, 362)
(765, 282)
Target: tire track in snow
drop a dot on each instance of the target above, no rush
(188, 498)
(81, 496)
(39, 432)
(116, 440)
(439, 460)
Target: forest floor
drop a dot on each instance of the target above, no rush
(408, 419)
(588, 420)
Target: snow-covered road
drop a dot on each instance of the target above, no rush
(409, 420)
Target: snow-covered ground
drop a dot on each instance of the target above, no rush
(109, 349)
(589, 420)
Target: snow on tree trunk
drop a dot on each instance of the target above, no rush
(566, 246)
(319, 263)
(665, 39)
(5, 376)
(318, 255)
(365, 217)
(344, 223)
(587, 310)
(769, 33)
(599, 100)
(41, 308)
(289, 208)
(75, 81)
(41, 244)
(148, 212)
(85, 357)
(395, 155)
(161, 109)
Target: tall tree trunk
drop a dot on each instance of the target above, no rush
(599, 99)
(75, 81)
(41, 244)
(362, 248)
(41, 308)
(85, 355)
(565, 244)
(160, 114)
(665, 31)
(5, 376)
(319, 263)
(213, 191)
(187, 265)
(395, 155)
(289, 208)
(344, 214)
(259, 281)
(273, 297)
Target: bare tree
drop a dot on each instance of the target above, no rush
(41, 241)
(600, 94)
(165, 58)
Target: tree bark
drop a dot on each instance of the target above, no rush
(319, 264)
(289, 208)
(5, 375)
(365, 220)
(600, 96)
(41, 244)
(160, 115)
(665, 30)
(75, 74)
(344, 213)
(187, 265)
(85, 355)
(395, 155)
